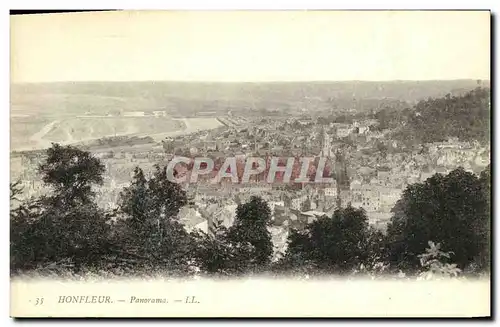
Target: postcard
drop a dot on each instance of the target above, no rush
(250, 164)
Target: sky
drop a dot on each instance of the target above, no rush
(251, 46)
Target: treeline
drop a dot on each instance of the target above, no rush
(466, 117)
(65, 231)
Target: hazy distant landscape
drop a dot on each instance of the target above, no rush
(62, 112)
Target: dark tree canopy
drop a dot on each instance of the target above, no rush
(250, 234)
(149, 227)
(71, 172)
(466, 117)
(213, 252)
(451, 210)
(67, 225)
(332, 244)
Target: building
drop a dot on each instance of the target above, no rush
(210, 146)
(370, 198)
(160, 113)
(330, 191)
(345, 197)
(355, 185)
(296, 203)
(389, 197)
(134, 114)
(363, 129)
(384, 177)
(344, 131)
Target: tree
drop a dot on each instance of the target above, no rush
(65, 224)
(333, 244)
(213, 252)
(464, 116)
(249, 236)
(15, 191)
(150, 229)
(484, 230)
(451, 210)
(71, 173)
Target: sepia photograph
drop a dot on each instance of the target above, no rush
(250, 164)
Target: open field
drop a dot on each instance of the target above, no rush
(78, 129)
(33, 133)
(41, 132)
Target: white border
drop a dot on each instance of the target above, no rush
(254, 4)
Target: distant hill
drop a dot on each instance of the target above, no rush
(187, 98)
(466, 116)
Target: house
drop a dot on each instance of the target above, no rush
(202, 197)
(210, 146)
(344, 131)
(355, 185)
(206, 113)
(297, 220)
(296, 203)
(370, 198)
(482, 160)
(360, 128)
(384, 177)
(331, 189)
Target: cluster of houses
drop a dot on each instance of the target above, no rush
(376, 181)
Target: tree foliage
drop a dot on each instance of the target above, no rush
(243, 248)
(65, 224)
(148, 227)
(66, 227)
(433, 263)
(336, 244)
(466, 117)
(451, 209)
(71, 173)
(249, 234)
